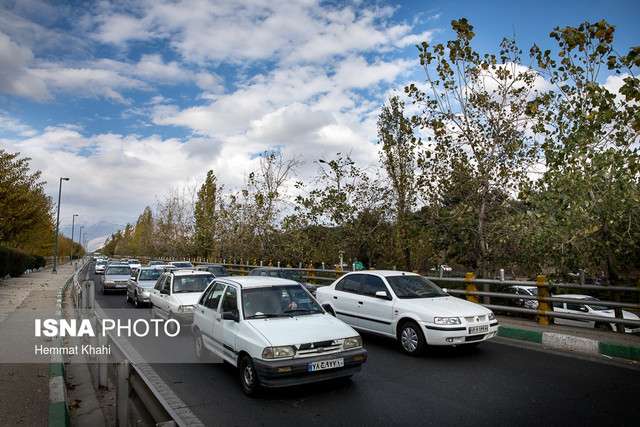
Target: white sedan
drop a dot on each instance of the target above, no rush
(585, 304)
(407, 307)
(274, 332)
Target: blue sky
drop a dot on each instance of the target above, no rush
(132, 98)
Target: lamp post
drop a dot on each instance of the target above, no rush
(55, 247)
(80, 240)
(73, 225)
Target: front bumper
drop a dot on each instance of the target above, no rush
(458, 334)
(288, 372)
(115, 286)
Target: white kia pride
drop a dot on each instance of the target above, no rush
(274, 332)
(407, 307)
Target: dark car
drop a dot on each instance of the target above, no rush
(216, 269)
(285, 273)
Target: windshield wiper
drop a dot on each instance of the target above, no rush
(302, 311)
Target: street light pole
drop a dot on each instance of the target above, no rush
(80, 240)
(73, 225)
(55, 250)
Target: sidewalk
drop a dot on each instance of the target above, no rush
(583, 340)
(25, 387)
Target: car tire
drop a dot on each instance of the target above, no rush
(136, 303)
(248, 377)
(170, 326)
(128, 297)
(198, 344)
(603, 326)
(411, 339)
(104, 291)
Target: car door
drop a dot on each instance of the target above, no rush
(375, 313)
(163, 294)
(206, 313)
(572, 308)
(154, 297)
(225, 328)
(346, 299)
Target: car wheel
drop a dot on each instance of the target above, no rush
(603, 326)
(411, 339)
(171, 327)
(136, 303)
(128, 297)
(104, 291)
(248, 377)
(198, 345)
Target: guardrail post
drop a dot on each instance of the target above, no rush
(88, 295)
(103, 360)
(471, 287)
(122, 393)
(311, 274)
(543, 305)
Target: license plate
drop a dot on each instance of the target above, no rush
(326, 364)
(478, 330)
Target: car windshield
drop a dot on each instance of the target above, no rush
(292, 275)
(596, 307)
(191, 283)
(278, 301)
(182, 264)
(118, 271)
(150, 274)
(409, 286)
(217, 270)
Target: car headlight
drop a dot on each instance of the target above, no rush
(111, 282)
(352, 342)
(446, 320)
(186, 308)
(278, 352)
(492, 316)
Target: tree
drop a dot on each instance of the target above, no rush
(587, 201)
(26, 213)
(473, 114)
(207, 227)
(399, 146)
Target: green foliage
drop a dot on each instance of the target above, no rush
(476, 139)
(586, 203)
(14, 262)
(25, 212)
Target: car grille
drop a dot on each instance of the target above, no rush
(320, 347)
(476, 319)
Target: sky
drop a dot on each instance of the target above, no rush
(132, 98)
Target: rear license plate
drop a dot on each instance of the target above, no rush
(478, 330)
(326, 364)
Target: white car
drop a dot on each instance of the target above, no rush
(274, 332)
(589, 305)
(101, 264)
(134, 263)
(176, 293)
(407, 307)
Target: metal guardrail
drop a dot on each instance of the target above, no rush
(133, 387)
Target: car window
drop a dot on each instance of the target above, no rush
(558, 305)
(373, 284)
(230, 300)
(150, 274)
(350, 283)
(166, 285)
(191, 283)
(213, 298)
(160, 283)
(118, 271)
(412, 286)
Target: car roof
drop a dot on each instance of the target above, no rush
(190, 272)
(384, 273)
(256, 281)
(575, 296)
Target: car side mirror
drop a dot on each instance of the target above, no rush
(382, 295)
(231, 315)
(164, 291)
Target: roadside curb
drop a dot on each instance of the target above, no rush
(58, 410)
(568, 342)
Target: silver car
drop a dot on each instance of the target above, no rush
(140, 283)
(115, 277)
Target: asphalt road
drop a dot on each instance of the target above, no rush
(499, 382)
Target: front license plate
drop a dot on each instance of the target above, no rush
(478, 330)
(326, 364)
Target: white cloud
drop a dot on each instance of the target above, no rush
(15, 77)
